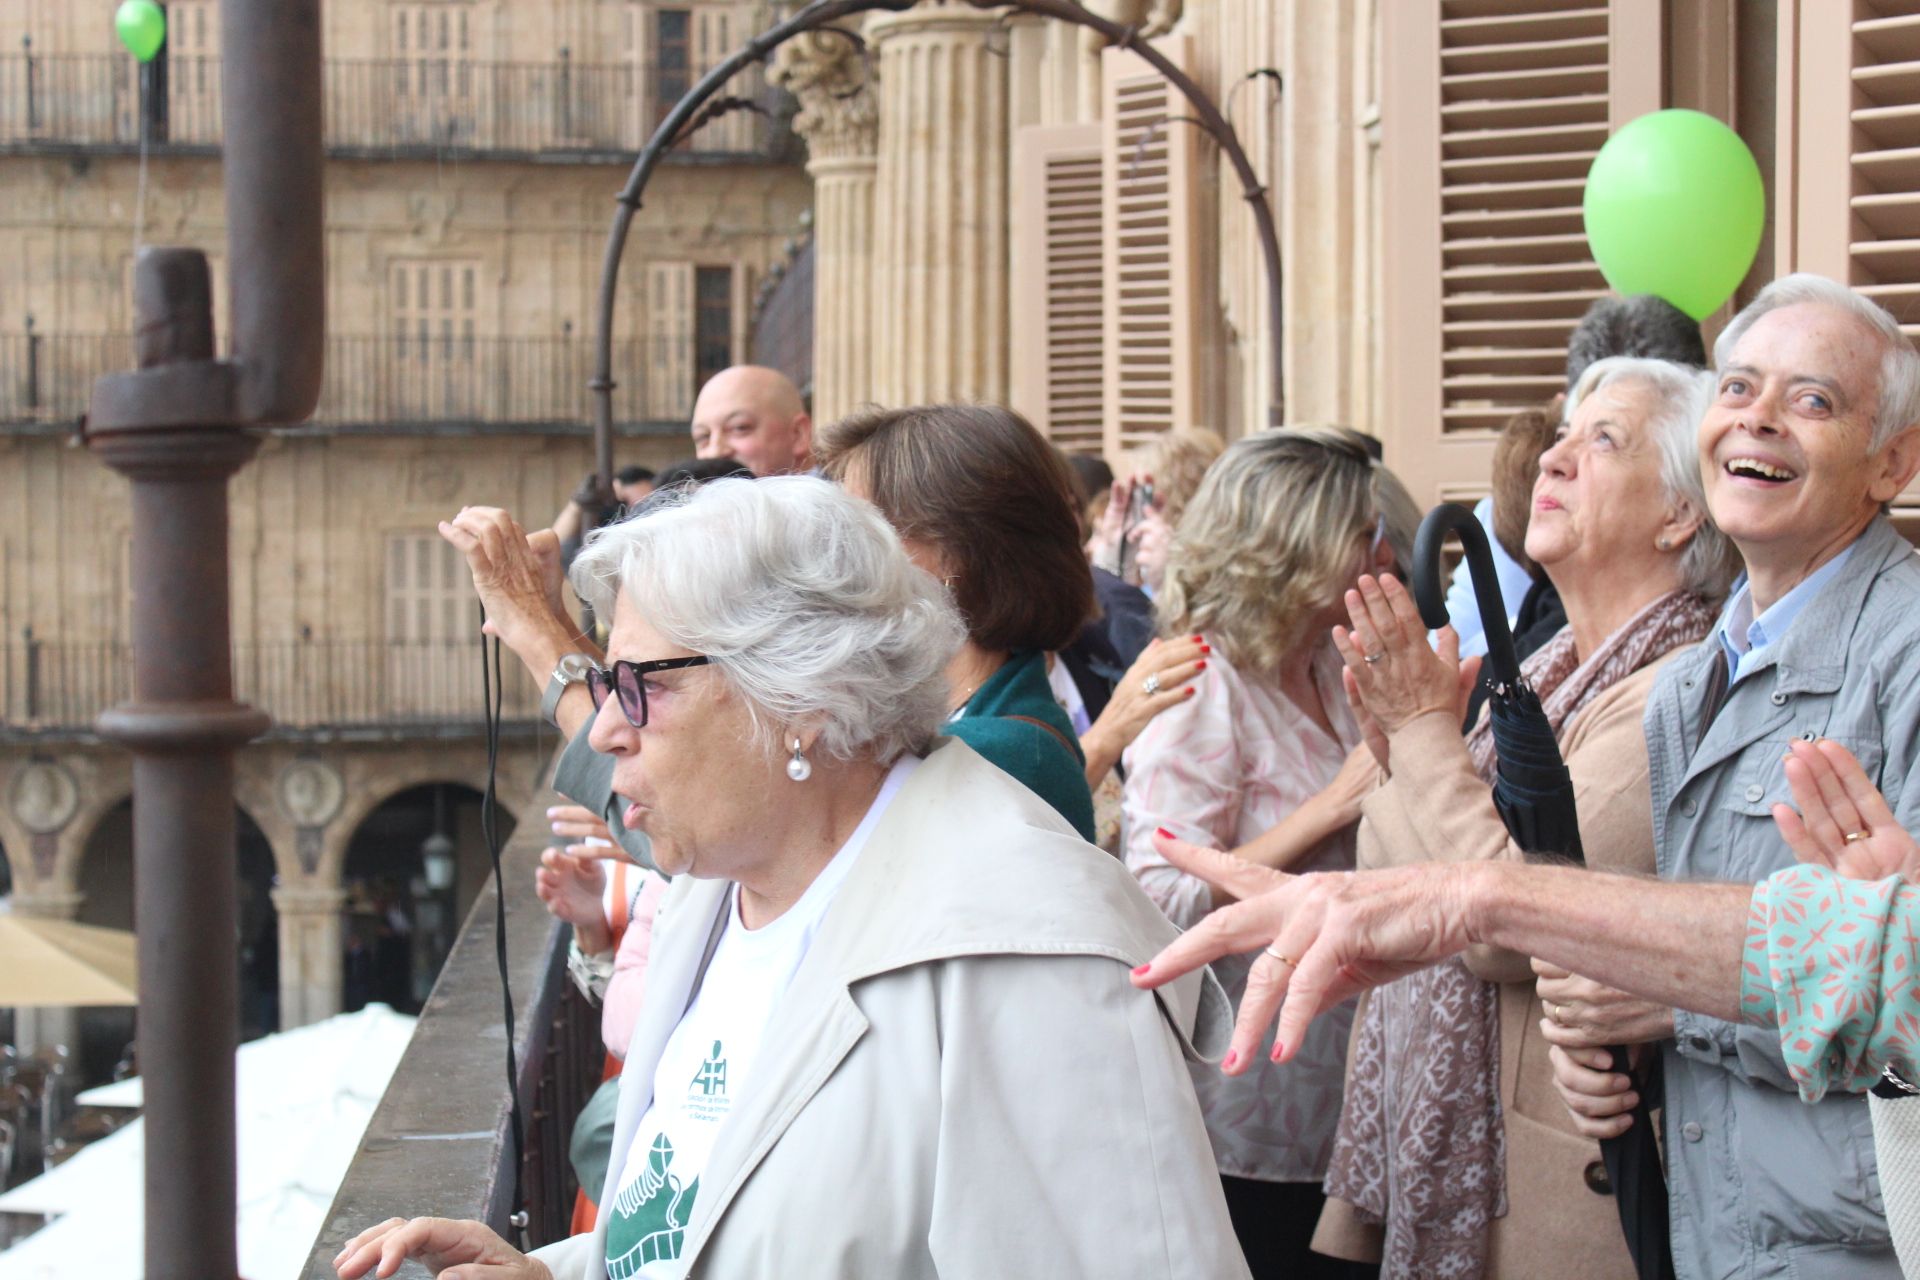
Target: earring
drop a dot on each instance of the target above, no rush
(799, 768)
(1662, 542)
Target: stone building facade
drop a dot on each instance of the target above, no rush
(474, 150)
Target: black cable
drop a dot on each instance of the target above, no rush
(491, 686)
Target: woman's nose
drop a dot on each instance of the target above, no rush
(1558, 459)
(610, 733)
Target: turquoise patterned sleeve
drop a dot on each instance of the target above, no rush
(1831, 962)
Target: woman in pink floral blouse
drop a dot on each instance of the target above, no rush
(1267, 759)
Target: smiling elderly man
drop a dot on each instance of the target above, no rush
(1811, 434)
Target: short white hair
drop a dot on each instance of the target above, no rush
(1682, 395)
(1898, 405)
(804, 599)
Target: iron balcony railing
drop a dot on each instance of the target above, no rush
(398, 107)
(439, 1144)
(54, 687)
(399, 379)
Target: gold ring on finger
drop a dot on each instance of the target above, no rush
(1855, 837)
(1371, 658)
(1288, 961)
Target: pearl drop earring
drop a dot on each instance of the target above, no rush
(799, 768)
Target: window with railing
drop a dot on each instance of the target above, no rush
(429, 98)
(374, 381)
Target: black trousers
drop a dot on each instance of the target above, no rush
(1274, 1222)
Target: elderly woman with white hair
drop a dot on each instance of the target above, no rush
(889, 1029)
(1448, 1072)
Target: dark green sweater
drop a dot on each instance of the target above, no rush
(999, 722)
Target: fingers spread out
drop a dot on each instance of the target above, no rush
(1266, 990)
(1223, 871)
(1231, 930)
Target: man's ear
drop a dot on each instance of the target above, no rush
(803, 435)
(1897, 461)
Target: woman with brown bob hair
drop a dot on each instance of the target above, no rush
(983, 503)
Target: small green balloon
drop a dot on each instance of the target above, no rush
(142, 26)
(1675, 207)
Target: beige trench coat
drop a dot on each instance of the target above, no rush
(961, 1081)
(1560, 1220)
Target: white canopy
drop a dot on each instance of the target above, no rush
(303, 1101)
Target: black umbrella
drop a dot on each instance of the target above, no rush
(1534, 794)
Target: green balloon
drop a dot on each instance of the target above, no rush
(1674, 207)
(142, 26)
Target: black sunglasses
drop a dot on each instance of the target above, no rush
(626, 680)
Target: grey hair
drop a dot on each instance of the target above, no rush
(1642, 325)
(1898, 406)
(804, 599)
(1682, 395)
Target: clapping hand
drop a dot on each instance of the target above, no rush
(1843, 822)
(1392, 676)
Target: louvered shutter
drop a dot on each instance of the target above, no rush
(1492, 111)
(718, 31)
(1852, 212)
(1151, 163)
(430, 621)
(193, 71)
(1058, 322)
(669, 329)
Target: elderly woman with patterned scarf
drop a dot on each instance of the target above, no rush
(1455, 1155)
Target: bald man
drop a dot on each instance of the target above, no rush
(755, 415)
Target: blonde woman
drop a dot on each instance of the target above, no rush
(1266, 758)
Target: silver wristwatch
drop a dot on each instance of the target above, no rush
(571, 669)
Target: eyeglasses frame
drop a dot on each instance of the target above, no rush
(608, 677)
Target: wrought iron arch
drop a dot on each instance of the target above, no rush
(693, 110)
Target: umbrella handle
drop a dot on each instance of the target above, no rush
(1430, 589)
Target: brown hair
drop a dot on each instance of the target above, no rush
(978, 484)
(1516, 464)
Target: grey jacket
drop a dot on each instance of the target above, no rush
(961, 1083)
(1761, 1184)
(585, 776)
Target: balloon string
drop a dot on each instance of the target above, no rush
(140, 199)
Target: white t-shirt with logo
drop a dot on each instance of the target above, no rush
(708, 1059)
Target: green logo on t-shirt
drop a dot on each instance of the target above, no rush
(649, 1220)
(712, 1076)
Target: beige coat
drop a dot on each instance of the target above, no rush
(961, 1081)
(1435, 808)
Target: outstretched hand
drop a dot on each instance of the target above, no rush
(1843, 822)
(516, 575)
(1328, 937)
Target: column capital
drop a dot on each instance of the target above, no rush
(830, 77)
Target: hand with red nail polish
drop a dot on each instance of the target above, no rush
(1162, 677)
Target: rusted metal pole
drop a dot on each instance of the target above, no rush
(178, 427)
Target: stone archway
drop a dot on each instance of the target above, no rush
(411, 870)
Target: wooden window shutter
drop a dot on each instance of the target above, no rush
(193, 71)
(1852, 212)
(1057, 258)
(718, 32)
(1151, 169)
(670, 325)
(1492, 112)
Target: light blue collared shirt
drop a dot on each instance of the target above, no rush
(1745, 638)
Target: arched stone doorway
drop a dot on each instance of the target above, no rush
(105, 882)
(413, 867)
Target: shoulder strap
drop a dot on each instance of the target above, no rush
(1072, 748)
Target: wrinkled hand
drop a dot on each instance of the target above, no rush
(517, 577)
(1371, 733)
(572, 883)
(1132, 708)
(1836, 797)
(1407, 679)
(451, 1250)
(1344, 932)
(1584, 1014)
(1599, 1098)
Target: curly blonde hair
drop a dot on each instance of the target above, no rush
(1274, 536)
(1177, 461)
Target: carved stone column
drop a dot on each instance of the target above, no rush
(839, 120)
(309, 952)
(938, 312)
